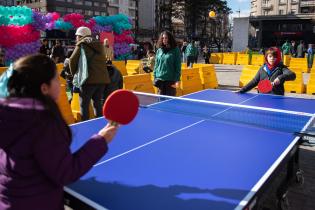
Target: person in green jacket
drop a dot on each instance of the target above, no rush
(286, 48)
(167, 68)
(191, 53)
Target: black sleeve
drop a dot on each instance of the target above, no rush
(287, 75)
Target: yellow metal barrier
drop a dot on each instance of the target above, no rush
(296, 86)
(242, 59)
(257, 60)
(286, 60)
(121, 66)
(190, 80)
(248, 73)
(75, 107)
(229, 58)
(216, 58)
(64, 106)
(310, 88)
(139, 82)
(2, 69)
(299, 63)
(207, 75)
(133, 67)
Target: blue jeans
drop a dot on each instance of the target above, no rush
(94, 92)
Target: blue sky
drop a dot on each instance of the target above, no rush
(242, 5)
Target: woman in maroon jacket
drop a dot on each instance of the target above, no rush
(35, 158)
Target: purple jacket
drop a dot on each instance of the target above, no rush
(35, 158)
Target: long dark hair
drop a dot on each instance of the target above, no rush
(30, 72)
(171, 40)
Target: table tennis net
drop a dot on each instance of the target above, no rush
(281, 120)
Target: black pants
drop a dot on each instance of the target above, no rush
(165, 88)
(190, 61)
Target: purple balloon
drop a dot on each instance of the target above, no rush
(20, 50)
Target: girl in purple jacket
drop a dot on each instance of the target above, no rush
(35, 157)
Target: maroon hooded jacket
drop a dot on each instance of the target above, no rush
(35, 157)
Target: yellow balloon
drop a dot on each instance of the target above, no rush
(211, 14)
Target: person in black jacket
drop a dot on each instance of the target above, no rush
(273, 70)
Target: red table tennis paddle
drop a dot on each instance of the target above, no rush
(121, 107)
(265, 86)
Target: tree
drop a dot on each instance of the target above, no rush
(198, 24)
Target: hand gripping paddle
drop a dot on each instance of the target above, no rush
(121, 107)
(265, 86)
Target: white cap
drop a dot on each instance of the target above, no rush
(83, 31)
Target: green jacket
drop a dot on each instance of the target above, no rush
(191, 50)
(167, 65)
(94, 50)
(286, 48)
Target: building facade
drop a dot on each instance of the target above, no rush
(147, 24)
(7, 2)
(272, 22)
(88, 8)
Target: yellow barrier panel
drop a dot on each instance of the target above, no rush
(286, 60)
(190, 81)
(248, 73)
(133, 67)
(229, 58)
(257, 60)
(310, 88)
(2, 69)
(299, 63)
(139, 82)
(75, 107)
(121, 66)
(59, 69)
(216, 58)
(296, 86)
(64, 106)
(207, 75)
(296, 69)
(242, 59)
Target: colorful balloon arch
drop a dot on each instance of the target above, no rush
(20, 29)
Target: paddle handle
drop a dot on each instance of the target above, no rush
(113, 123)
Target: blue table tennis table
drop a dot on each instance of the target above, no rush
(170, 160)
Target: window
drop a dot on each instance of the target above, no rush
(78, 2)
(70, 10)
(282, 2)
(78, 11)
(281, 12)
(97, 13)
(132, 12)
(103, 14)
(96, 4)
(114, 1)
(103, 5)
(265, 12)
(60, 9)
(112, 10)
(88, 3)
(293, 11)
(89, 12)
(61, 0)
(132, 3)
